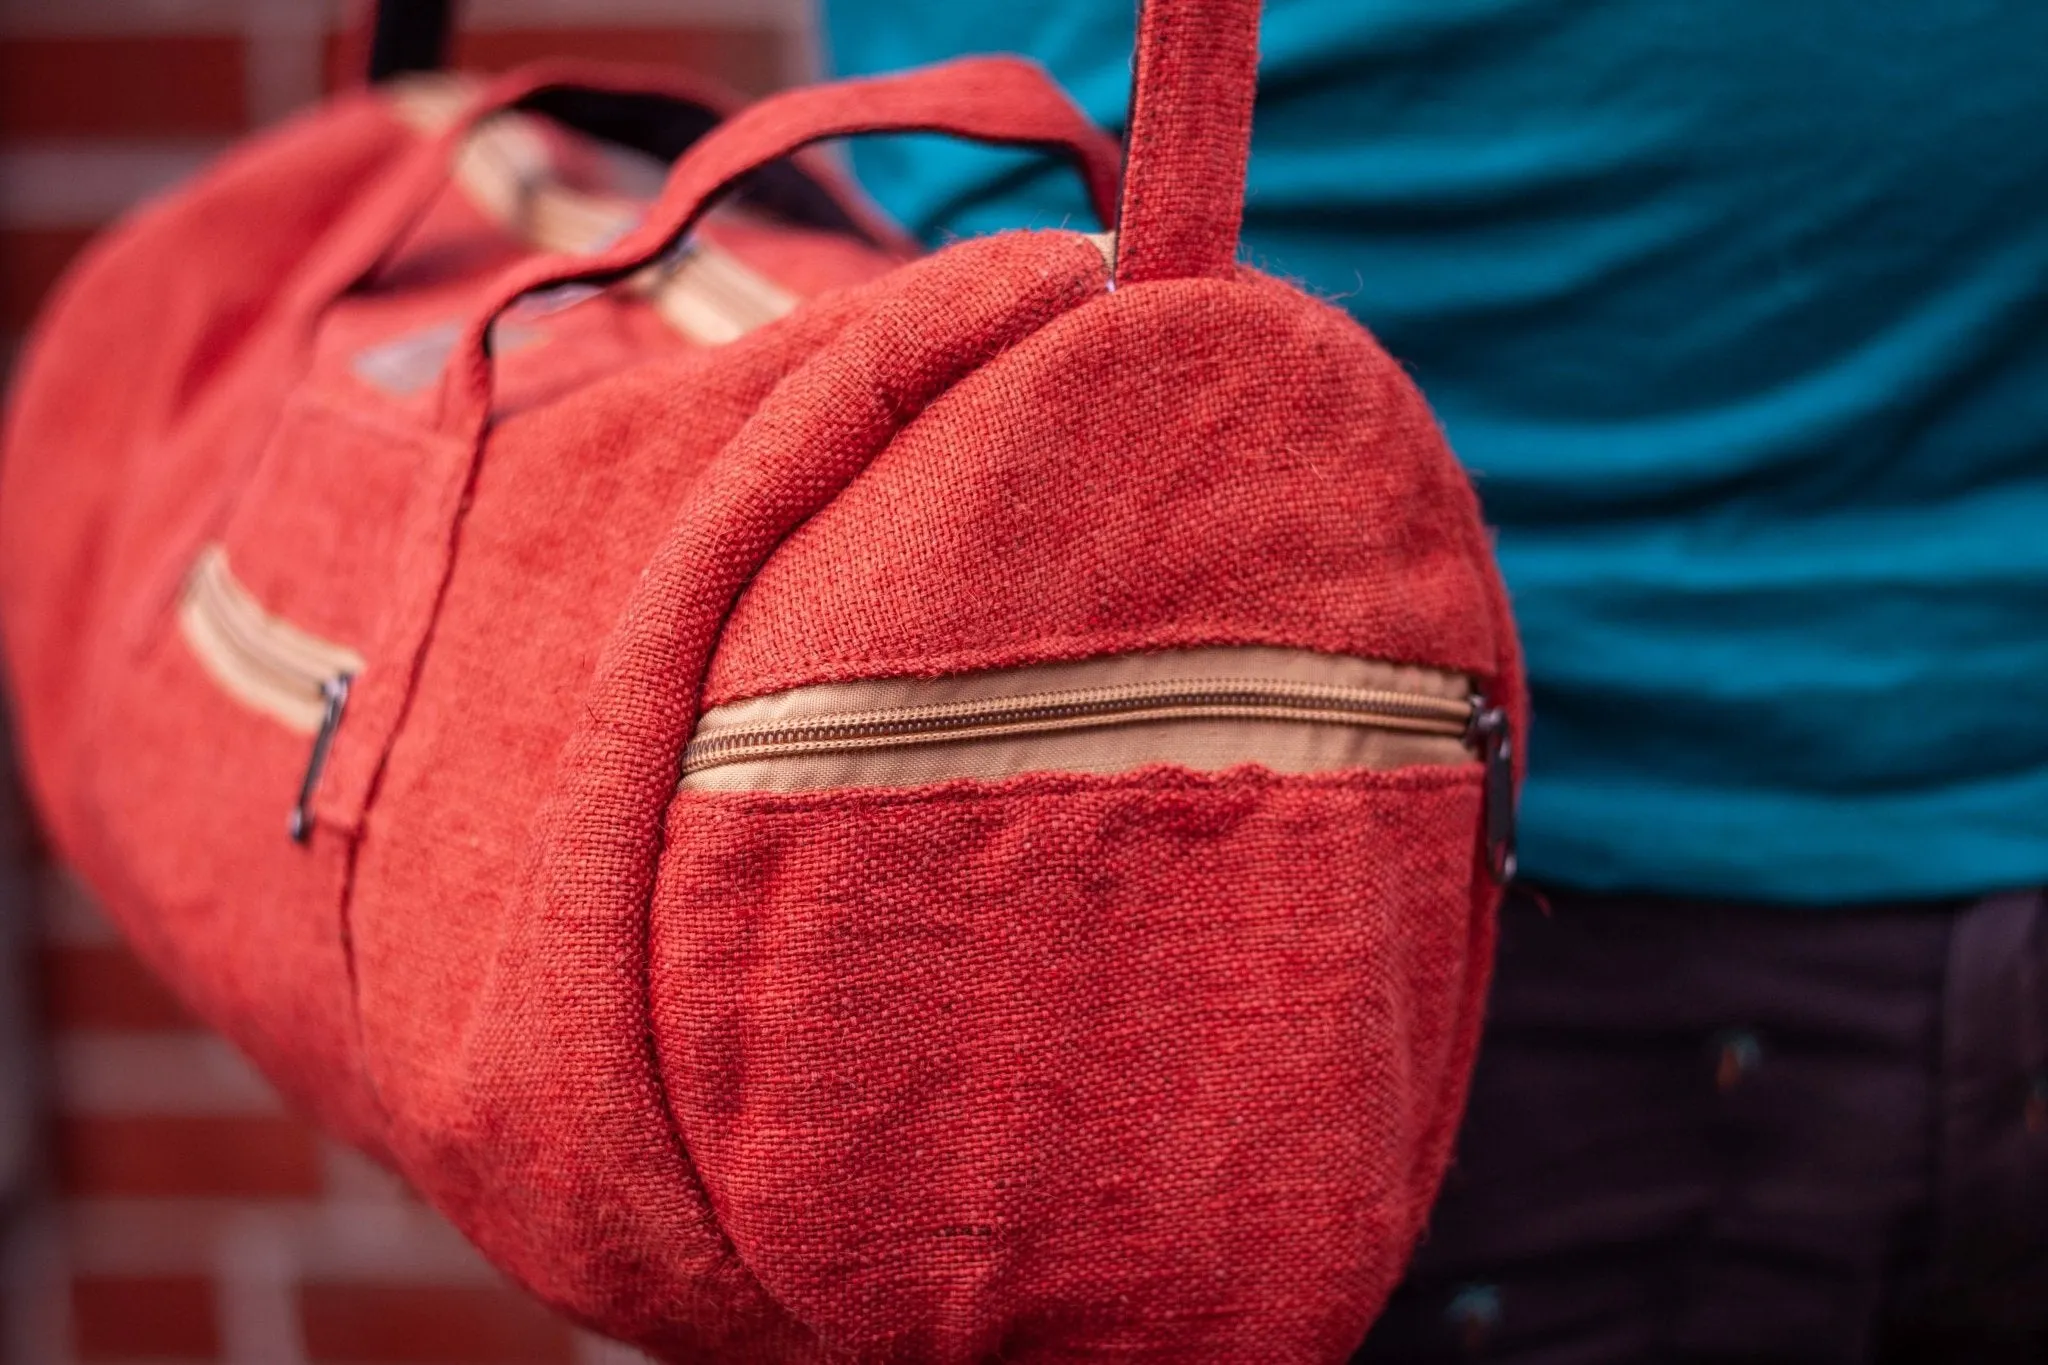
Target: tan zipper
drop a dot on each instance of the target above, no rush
(1290, 710)
(1045, 713)
(1287, 710)
(269, 665)
(266, 663)
(710, 296)
(705, 292)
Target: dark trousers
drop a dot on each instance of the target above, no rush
(1723, 1133)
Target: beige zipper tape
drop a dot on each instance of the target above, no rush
(1283, 709)
(266, 663)
(708, 294)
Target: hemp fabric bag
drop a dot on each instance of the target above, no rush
(820, 801)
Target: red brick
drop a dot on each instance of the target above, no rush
(158, 1317)
(155, 85)
(31, 259)
(749, 59)
(429, 1325)
(104, 986)
(187, 1156)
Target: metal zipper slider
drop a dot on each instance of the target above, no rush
(1495, 739)
(334, 698)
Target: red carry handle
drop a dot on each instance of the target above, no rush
(379, 225)
(1193, 79)
(985, 99)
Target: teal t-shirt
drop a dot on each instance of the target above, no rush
(1737, 310)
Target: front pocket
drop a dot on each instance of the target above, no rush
(310, 594)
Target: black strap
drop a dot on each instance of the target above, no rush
(410, 35)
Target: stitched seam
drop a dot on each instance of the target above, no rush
(1045, 649)
(1158, 778)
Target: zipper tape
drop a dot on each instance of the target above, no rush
(1290, 710)
(266, 663)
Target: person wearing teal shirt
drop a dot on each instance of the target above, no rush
(1738, 314)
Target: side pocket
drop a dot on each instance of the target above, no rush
(1019, 1058)
(1149, 1065)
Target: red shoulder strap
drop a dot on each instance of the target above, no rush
(1193, 79)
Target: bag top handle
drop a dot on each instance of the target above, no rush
(378, 225)
(1194, 76)
(1193, 79)
(1003, 100)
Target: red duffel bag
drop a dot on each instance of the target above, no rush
(820, 803)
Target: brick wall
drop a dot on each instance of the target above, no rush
(102, 101)
(173, 1210)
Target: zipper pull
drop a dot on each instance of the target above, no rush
(334, 694)
(1495, 738)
